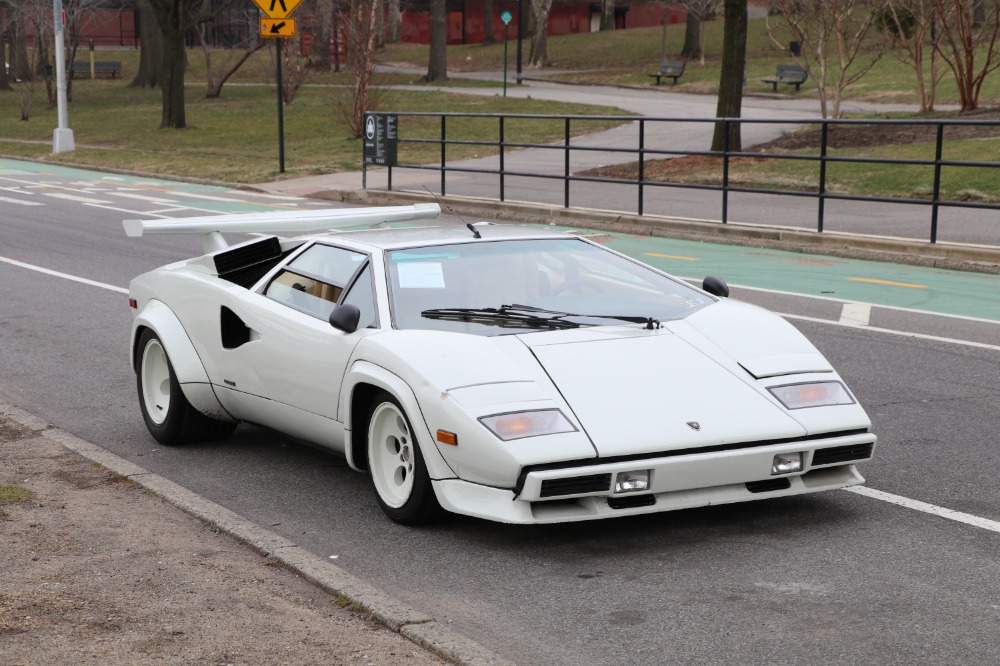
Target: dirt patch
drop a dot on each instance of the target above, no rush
(98, 571)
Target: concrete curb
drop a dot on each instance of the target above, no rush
(953, 256)
(421, 629)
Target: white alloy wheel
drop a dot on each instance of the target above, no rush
(391, 454)
(154, 372)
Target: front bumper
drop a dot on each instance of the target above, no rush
(585, 492)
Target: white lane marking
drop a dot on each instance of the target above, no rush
(65, 276)
(856, 314)
(697, 283)
(905, 334)
(141, 197)
(73, 197)
(933, 509)
(21, 202)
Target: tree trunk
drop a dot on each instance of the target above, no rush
(607, 15)
(692, 37)
(319, 50)
(394, 19)
(150, 49)
(488, 25)
(171, 16)
(539, 54)
(437, 63)
(734, 56)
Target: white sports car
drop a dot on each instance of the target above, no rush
(517, 375)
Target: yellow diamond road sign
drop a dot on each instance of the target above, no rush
(277, 9)
(277, 27)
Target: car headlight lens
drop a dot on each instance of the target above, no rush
(518, 425)
(812, 394)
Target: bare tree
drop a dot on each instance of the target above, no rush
(175, 18)
(394, 18)
(734, 60)
(968, 44)
(319, 49)
(832, 36)
(909, 26)
(538, 56)
(31, 63)
(437, 62)
(361, 47)
(232, 58)
(150, 49)
(607, 15)
(699, 11)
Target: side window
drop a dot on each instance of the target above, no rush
(362, 295)
(315, 280)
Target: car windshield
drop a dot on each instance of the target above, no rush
(513, 286)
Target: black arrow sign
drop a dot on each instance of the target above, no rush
(276, 27)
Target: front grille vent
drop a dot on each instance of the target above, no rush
(769, 485)
(631, 501)
(842, 454)
(575, 485)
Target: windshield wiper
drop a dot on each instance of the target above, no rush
(648, 321)
(501, 316)
(526, 316)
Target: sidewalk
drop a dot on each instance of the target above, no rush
(99, 570)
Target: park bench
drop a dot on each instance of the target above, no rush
(671, 69)
(112, 68)
(789, 74)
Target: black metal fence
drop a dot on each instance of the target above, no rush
(644, 149)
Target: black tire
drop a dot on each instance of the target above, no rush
(169, 417)
(396, 466)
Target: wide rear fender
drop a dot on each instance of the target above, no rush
(184, 359)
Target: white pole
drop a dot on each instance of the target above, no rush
(62, 137)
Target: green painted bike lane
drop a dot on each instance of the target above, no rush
(209, 198)
(931, 290)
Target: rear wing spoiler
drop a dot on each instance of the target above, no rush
(212, 226)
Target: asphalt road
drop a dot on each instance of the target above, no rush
(835, 578)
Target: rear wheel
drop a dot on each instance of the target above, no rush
(169, 417)
(396, 466)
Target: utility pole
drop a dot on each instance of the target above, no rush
(62, 136)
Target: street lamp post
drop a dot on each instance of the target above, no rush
(62, 136)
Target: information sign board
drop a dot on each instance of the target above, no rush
(380, 138)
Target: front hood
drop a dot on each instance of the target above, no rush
(652, 392)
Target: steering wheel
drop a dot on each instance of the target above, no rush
(579, 285)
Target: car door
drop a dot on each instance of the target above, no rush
(297, 356)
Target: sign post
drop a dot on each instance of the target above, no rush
(275, 26)
(506, 16)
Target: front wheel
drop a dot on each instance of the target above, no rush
(169, 417)
(396, 466)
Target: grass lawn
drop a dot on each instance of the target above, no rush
(234, 138)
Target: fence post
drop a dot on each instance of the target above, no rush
(725, 171)
(938, 152)
(501, 159)
(822, 176)
(566, 167)
(443, 146)
(642, 160)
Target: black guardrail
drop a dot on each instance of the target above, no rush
(642, 152)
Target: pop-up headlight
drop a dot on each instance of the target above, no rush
(518, 425)
(812, 394)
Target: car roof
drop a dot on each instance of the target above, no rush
(398, 238)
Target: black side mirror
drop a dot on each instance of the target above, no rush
(716, 286)
(345, 317)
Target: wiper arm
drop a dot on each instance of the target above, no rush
(503, 317)
(650, 323)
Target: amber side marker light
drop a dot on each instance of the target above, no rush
(446, 437)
